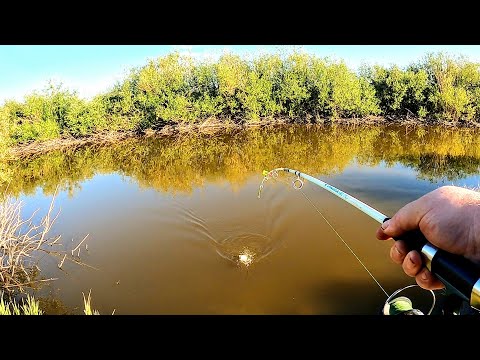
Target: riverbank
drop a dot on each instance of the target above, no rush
(302, 88)
(212, 127)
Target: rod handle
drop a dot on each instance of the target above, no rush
(457, 273)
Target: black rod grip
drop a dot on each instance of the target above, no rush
(458, 274)
(414, 239)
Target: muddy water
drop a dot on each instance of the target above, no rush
(175, 225)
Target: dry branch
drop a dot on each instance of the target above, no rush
(21, 241)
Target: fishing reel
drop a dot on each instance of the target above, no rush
(448, 304)
(402, 305)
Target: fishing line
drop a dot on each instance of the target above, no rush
(297, 184)
(389, 297)
(345, 243)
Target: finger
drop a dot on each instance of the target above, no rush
(381, 235)
(398, 251)
(426, 280)
(406, 219)
(412, 264)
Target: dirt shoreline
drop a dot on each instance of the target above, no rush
(210, 127)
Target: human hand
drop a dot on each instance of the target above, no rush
(448, 217)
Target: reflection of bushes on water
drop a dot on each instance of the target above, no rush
(182, 163)
(433, 167)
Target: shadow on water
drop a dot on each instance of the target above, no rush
(355, 298)
(347, 298)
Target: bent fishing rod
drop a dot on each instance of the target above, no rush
(459, 275)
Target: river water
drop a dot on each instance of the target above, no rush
(175, 225)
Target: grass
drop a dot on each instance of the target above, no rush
(20, 240)
(87, 305)
(30, 306)
(24, 242)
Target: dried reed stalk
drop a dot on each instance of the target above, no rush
(21, 243)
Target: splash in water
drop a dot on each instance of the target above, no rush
(246, 257)
(245, 249)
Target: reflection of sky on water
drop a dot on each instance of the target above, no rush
(115, 196)
(391, 185)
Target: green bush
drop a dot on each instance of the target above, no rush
(119, 110)
(455, 86)
(175, 88)
(293, 89)
(163, 89)
(317, 87)
(400, 92)
(232, 76)
(260, 99)
(204, 91)
(351, 96)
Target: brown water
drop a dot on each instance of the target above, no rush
(174, 223)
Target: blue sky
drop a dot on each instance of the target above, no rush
(91, 69)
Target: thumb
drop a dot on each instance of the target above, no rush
(406, 219)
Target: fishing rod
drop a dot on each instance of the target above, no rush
(460, 276)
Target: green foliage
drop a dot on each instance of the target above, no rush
(30, 306)
(87, 306)
(400, 92)
(175, 88)
(319, 87)
(115, 110)
(232, 75)
(7, 118)
(5, 141)
(350, 96)
(260, 99)
(456, 83)
(293, 92)
(35, 119)
(81, 119)
(48, 115)
(204, 91)
(440, 86)
(162, 89)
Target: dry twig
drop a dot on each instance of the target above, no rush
(21, 242)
